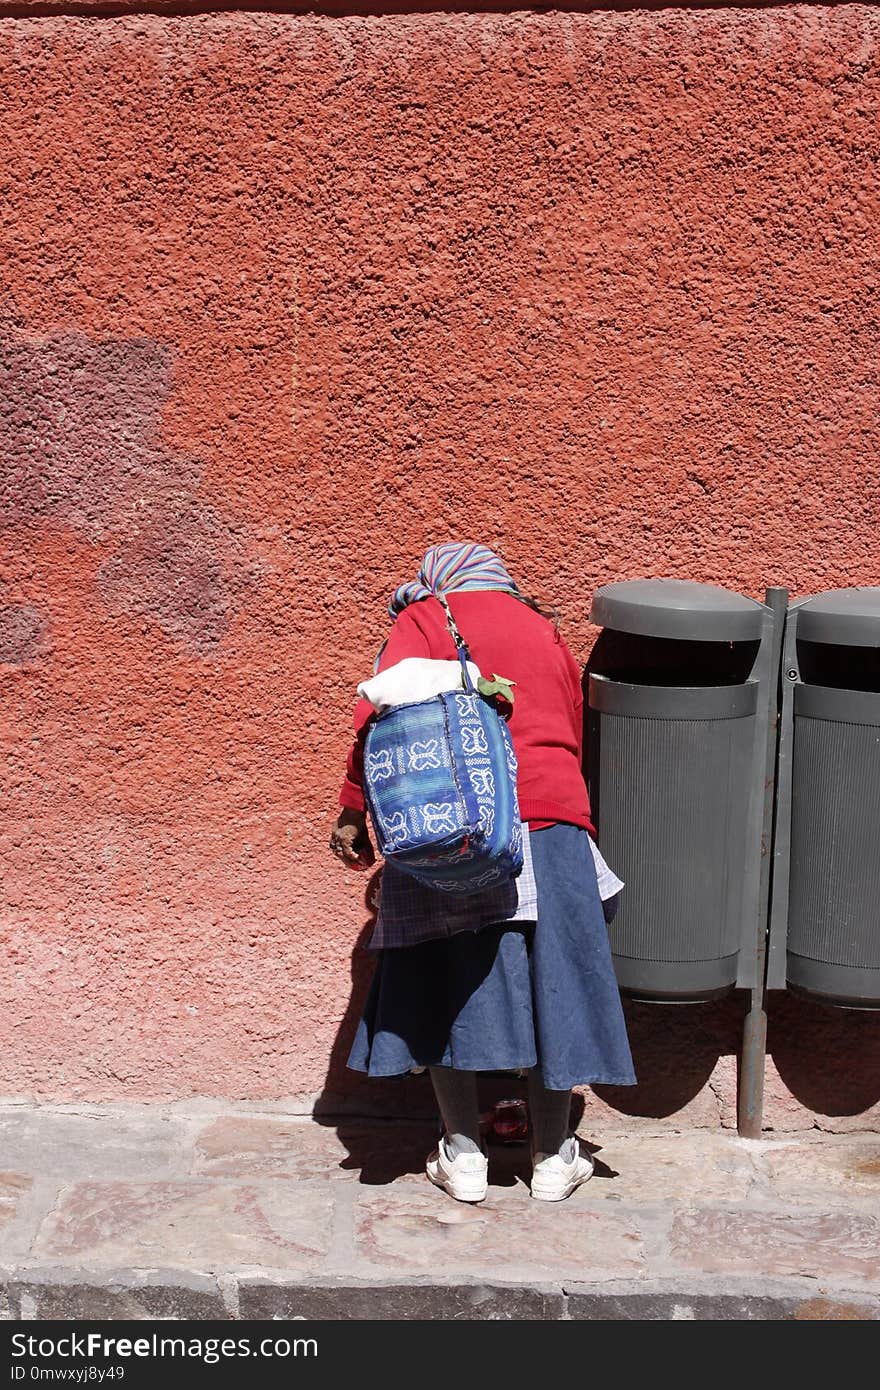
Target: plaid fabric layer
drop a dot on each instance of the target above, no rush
(410, 912)
(609, 884)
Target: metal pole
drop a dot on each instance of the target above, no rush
(750, 1099)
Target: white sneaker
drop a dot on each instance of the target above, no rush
(466, 1178)
(553, 1179)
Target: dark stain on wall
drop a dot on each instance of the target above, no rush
(80, 447)
(23, 634)
(182, 568)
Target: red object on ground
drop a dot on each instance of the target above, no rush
(510, 1121)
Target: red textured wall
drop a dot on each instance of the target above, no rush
(288, 298)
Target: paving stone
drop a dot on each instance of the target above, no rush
(672, 1168)
(243, 1146)
(825, 1171)
(693, 1306)
(466, 1301)
(504, 1237)
(139, 1144)
(76, 1295)
(835, 1245)
(836, 1310)
(10, 1310)
(673, 1226)
(13, 1187)
(209, 1224)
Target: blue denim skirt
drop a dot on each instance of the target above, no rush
(511, 995)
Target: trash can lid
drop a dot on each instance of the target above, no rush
(844, 617)
(677, 608)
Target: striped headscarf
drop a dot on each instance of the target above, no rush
(454, 565)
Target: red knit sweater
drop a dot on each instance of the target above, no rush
(506, 638)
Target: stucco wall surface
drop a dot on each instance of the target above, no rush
(285, 300)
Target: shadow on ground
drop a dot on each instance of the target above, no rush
(675, 1049)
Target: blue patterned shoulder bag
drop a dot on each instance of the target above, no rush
(440, 785)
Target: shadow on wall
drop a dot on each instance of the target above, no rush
(675, 1050)
(827, 1057)
(349, 1092)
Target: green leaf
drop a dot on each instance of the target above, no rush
(498, 685)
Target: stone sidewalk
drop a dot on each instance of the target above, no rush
(205, 1212)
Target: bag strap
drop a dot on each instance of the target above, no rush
(460, 645)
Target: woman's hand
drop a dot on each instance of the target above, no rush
(350, 840)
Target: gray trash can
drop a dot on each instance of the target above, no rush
(679, 688)
(825, 913)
